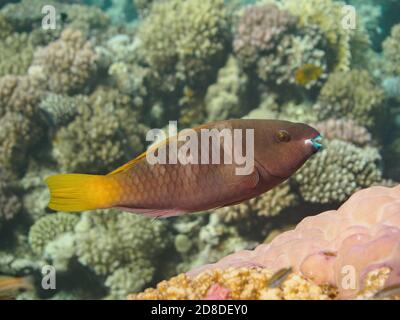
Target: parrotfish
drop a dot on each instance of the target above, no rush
(209, 176)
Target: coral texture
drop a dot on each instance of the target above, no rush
(350, 94)
(68, 63)
(184, 40)
(362, 235)
(338, 171)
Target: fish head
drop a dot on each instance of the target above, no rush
(282, 147)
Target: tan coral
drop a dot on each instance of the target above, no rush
(69, 63)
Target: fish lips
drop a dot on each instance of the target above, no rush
(315, 143)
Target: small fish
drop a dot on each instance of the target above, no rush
(279, 277)
(390, 291)
(307, 74)
(11, 286)
(163, 190)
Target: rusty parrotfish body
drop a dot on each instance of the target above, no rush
(173, 188)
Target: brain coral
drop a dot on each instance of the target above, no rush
(184, 40)
(352, 95)
(391, 52)
(363, 235)
(68, 63)
(103, 135)
(338, 171)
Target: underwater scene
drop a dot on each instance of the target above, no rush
(307, 208)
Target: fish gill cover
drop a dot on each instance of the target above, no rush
(80, 97)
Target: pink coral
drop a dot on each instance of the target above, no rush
(259, 30)
(361, 236)
(217, 292)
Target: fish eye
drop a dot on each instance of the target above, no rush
(283, 136)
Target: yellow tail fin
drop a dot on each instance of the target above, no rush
(80, 192)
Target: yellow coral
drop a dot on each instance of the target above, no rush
(327, 15)
(242, 283)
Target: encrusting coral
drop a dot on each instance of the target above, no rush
(353, 95)
(338, 171)
(360, 239)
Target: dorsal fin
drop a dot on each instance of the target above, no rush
(131, 163)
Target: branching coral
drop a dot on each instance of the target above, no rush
(344, 129)
(391, 52)
(205, 238)
(361, 236)
(259, 31)
(103, 135)
(60, 109)
(226, 98)
(267, 205)
(127, 242)
(184, 40)
(268, 40)
(352, 95)
(68, 63)
(10, 204)
(16, 54)
(17, 135)
(338, 171)
(328, 16)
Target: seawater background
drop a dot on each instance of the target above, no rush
(80, 98)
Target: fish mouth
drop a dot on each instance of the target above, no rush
(315, 142)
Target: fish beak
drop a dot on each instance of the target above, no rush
(315, 142)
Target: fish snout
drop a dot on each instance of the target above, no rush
(315, 142)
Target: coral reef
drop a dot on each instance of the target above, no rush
(344, 129)
(184, 40)
(10, 204)
(267, 205)
(259, 31)
(363, 234)
(16, 54)
(226, 98)
(352, 95)
(97, 140)
(338, 171)
(68, 63)
(391, 52)
(81, 98)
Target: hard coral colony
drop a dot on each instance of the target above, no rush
(82, 97)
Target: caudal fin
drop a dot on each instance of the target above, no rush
(81, 192)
